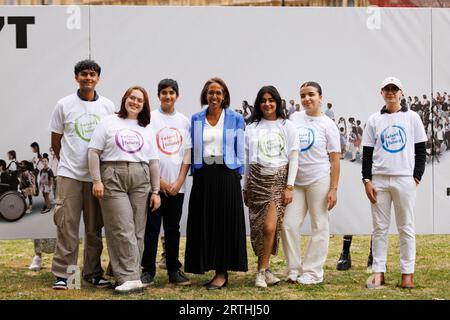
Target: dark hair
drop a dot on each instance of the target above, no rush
(12, 153)
(35, 145)
(220, 82)
(257, 114)
(358, 122)
(45, 156)
(26, 165)
(314, 85)
(3, 164)
(166, 83)
(87, 65)
(329, 105)
(143, 116)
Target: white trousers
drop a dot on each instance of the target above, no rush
(312, 199)
(400, 191)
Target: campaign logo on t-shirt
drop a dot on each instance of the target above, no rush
(85, 125)
(129, 140)
(393, 139)
(271, 144)
(307, 138)
(169, 140)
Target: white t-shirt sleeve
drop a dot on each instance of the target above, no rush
(292, 137)
(99, 137)
(188, 141)
(419, 130)
(369, 134)
(153, 150)
(57, 120)
(333, 138)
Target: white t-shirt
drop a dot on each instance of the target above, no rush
(269, 142)
(318, 136)
(213, 137)
(393, 136)
(124, 140)
(76, 120)
(173, 138)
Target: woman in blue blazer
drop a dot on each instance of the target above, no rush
(216, 237)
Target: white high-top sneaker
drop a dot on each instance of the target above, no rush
(36, 263)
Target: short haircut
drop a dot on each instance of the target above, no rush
(144, 115)
(12, 153)
(226, 93)
(314, 85)
(168, 83)
(87, 65)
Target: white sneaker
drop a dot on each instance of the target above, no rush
(129, 287)
(292, 276)
(271, 279)
(36, 263)
(261, 279)
(307, 279)
(29, 209)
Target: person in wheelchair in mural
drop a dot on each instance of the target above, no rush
(12, 202)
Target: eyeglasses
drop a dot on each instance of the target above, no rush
(217, 93)
(392, 88)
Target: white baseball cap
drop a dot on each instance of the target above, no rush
(392, 80)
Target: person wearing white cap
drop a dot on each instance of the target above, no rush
(393, 164)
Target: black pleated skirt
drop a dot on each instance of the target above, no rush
(215, 235)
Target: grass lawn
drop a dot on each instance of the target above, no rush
(432, 276)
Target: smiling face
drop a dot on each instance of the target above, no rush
(134, 104)
(268, 107)
(310, 99)
(391, 94)
(87, 79)
(215, 95)
(168, 97)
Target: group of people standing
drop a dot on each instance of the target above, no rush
(32, 178)
(126, 172)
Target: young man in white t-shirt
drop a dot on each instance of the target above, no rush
(173, 139)
(394, 157)
(72, 124)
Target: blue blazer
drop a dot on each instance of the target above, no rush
(233, 140)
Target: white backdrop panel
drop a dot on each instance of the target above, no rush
(31, 81)
(248, 48)
(441, 83)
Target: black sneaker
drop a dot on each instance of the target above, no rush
(179, 278)
(99, 282)
(344, 262)
(147, 279)
(60, 284)
(45, 210)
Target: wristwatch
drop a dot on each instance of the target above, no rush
(155, 192)
(289, 187)
(366, 180)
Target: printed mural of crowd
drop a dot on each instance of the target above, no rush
(434, 115)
